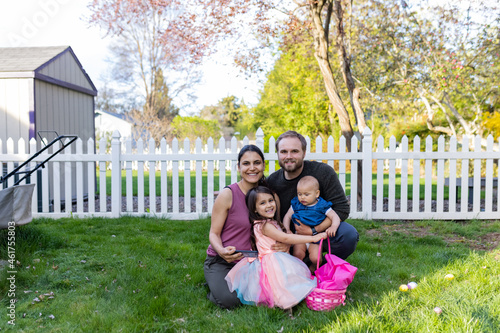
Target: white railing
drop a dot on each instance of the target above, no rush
(471, 175)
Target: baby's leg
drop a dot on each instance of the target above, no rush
(299, 251)
(313, 254)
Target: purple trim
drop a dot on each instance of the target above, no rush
(32, 112)
(77, 61)
(32, 124)
(48, 79)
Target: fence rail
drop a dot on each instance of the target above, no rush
(456, 182)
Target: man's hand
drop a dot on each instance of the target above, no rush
(302, 229)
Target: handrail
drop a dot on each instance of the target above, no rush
(42, 164)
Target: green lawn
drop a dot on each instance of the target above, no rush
(146, 275)
(228, 181)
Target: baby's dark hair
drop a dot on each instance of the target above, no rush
(251, 201)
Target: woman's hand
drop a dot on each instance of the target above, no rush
(228, 254)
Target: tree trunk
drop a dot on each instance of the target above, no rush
(345, 65)
(321, 54)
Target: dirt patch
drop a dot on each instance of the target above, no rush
(485, 242)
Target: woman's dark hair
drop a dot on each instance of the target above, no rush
(251, 201)
(248, 148)
(253, 148)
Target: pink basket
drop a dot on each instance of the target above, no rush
(325, 300)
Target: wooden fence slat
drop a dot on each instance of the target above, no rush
(57, 181)
(140, 178)
(187, 178)
(452, 188)
(416, 176)
(199, 187)
(175, 178)
(163, 178)
(79, 177)
(210, 177)
(404, 177)
(91, 176)
(477, 176)
(392, 176)
(152, 178)
(102, 178)
(380, 176)
(464, 189)
(428, 177)
(440, 177)
(129, 179)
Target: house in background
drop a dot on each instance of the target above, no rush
(45, 89)
(106, 123)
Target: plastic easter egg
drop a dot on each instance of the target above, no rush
(438, 310)
(412, 285)
(403, 287)
(449, 277)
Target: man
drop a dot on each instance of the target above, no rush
(291, 148)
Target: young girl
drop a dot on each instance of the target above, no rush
(275, 278)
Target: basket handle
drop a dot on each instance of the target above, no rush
(320, 248)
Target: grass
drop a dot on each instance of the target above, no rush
(146, 275)
(228, 181)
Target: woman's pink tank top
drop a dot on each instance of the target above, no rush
(237, 228)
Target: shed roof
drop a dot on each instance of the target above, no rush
(34, 62)
(19, 59)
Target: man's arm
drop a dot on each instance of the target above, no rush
(332, 190)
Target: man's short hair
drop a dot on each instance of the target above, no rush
(291, 134)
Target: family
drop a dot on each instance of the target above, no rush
(301, 203)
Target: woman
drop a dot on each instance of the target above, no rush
(230, 229)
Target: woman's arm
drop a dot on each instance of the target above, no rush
(271, 231)
(219, 214)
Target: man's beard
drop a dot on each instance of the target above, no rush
(291, 168)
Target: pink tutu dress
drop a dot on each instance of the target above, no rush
(274, 279)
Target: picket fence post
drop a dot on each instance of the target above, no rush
(367, 156)
(116, 175)
(259, 139)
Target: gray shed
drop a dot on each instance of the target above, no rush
(44, 89)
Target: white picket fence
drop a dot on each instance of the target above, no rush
(447, 167)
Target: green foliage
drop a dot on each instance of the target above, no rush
(231, 115)
(491, 121)
(400, 128)
(293, 97)
(195, 127)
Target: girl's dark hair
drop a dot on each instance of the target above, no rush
(253, 148)
(251, 201)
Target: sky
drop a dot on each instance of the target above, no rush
(61, 22)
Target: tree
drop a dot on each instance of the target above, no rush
(457, 63)
(195, 127)
(294, 90)
(228, 113)
(142, 58)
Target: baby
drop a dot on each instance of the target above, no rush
(310, 209)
